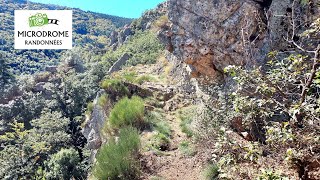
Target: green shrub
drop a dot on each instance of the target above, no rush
(129, 76)
(143, 46)
(144, 78)
(270, 175)
(160, 142)
(115, 85)
(65, 164)
(90, 107)
(102, 101)
(132, 77)
(186, 118)
(163, 128)
(127, 112)
(211, 172)
(116, 160)
(186, 148)
(129, 139)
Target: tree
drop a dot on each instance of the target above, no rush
(26, 150)
(5, 71)
(65, 164)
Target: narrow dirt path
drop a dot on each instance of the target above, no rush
(173, 165)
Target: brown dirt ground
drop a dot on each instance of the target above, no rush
(173, 164)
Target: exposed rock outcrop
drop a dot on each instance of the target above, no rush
(97, 118)
(118, 64)
(210, 35)
(95, 122)
(145, 22)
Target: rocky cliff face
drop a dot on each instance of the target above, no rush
(145, 22)
(209, 35)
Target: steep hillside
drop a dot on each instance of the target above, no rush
(91, 32)
(235, 95)
(43, 108)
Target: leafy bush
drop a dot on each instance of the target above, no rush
(116, 160)
(275, 95)
(144, 48)
(90, 107)
(65, 164)
(115, 88)
(271, 175)
(102, 100)
(160, 142)
(127, 112)
(211, 172)
(163, 128)
(36, 144)
(252, 152)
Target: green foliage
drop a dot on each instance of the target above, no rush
(160, 142)
(211, 172)
(65, 164)
(144, 48)
(270, 175)
(274, 94)
(102, 100)
(304, 2)
(116, 160)
(187, 149)
(144, 78)
(115, 86)
(133, 77)
(252, 152)
(6, 75)
(90, 107)
(128, 76)
(26, 150)
(279, 134)
(127, 112)
(186, 117)
(89, 28)
(76, 89)
(163, 128)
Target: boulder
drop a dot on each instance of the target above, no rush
(118, 64)
(94, 123)
(113, 37)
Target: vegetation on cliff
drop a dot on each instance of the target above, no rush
(224, 102)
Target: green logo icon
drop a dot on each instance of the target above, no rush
(38, 20)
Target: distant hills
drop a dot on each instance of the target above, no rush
(91, 33)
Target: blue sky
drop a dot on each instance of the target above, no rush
(124, 8)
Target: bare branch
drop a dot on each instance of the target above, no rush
(315, 66)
